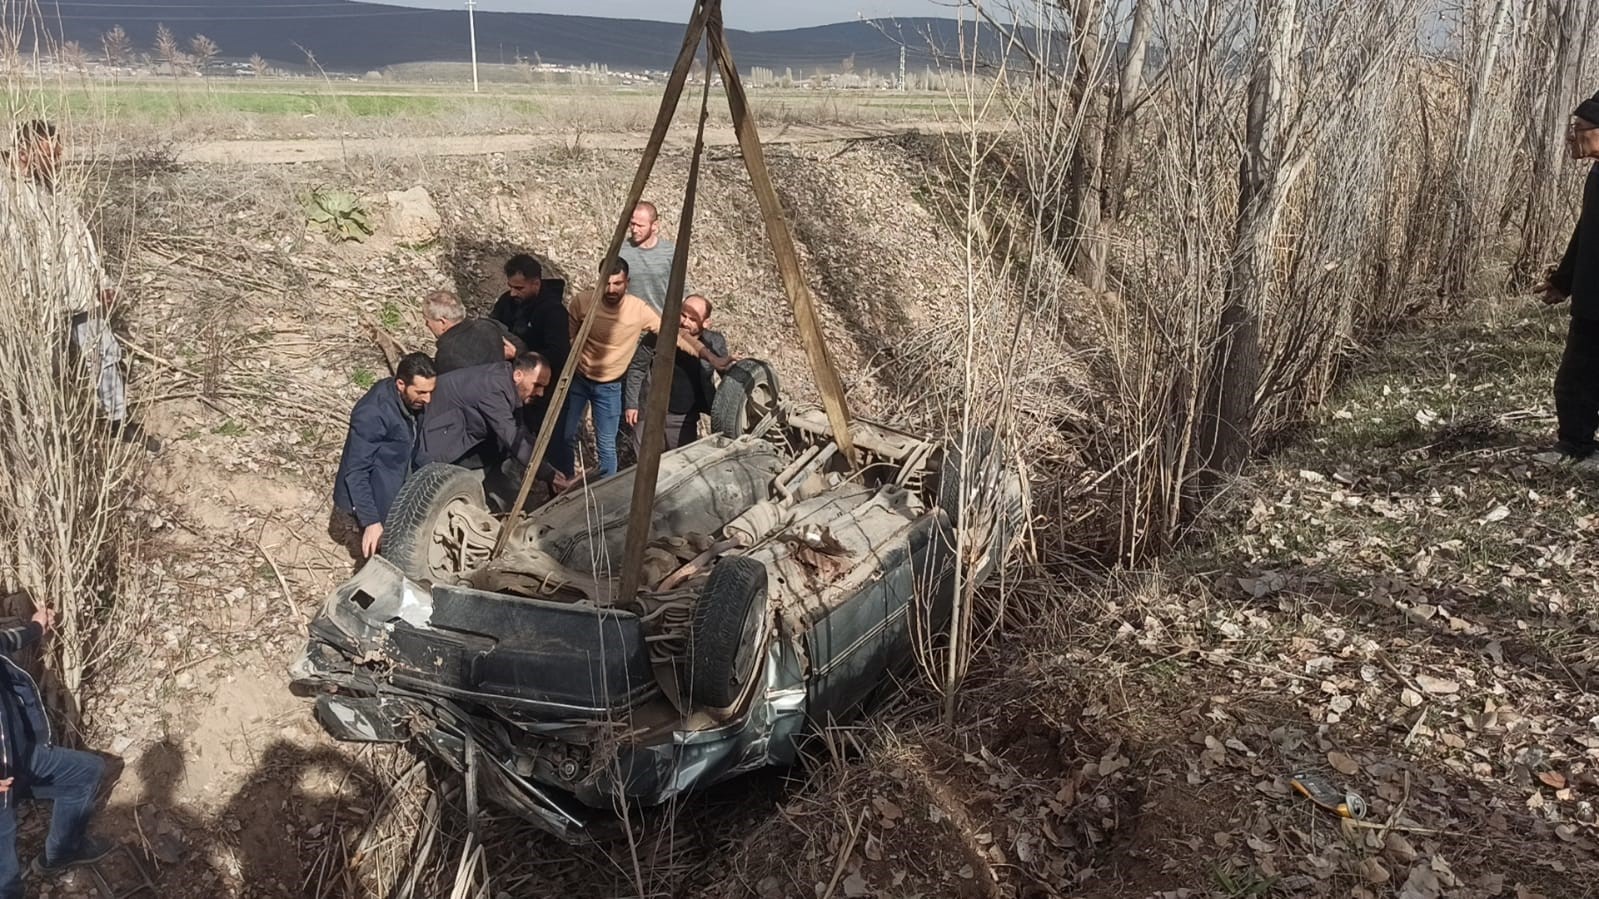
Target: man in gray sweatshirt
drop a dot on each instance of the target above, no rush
(648, 256)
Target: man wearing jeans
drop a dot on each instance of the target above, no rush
(620, 320)
(31, 766)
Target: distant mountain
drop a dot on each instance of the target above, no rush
(356, 37)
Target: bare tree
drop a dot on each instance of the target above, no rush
(1087, 176)
(73, 57)
(1130, 94)
(1565, 26)
(117, 45)
(258, 66)
(204, 49)
(166, 48)
(1464, 232)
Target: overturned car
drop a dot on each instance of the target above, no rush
(781, 590)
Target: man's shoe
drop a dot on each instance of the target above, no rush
(91, 850)
(1562, 453)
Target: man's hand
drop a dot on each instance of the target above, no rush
(5, 785)
(370, 538)
(631, 417)
(560, 483)
(46, 617)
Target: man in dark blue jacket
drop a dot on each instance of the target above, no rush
(383, 446)
(32, 766)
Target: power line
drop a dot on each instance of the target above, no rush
(238, 18)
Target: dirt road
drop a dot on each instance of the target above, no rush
(278, 152)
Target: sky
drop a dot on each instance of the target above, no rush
(749, 15)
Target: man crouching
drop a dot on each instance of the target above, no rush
(32, 766)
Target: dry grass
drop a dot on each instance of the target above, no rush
(70, 545)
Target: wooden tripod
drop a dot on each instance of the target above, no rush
(705, 25)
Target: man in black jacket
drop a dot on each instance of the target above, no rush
(382, 447)
(32, 766)
(693, 381)
(533, 310)
(464, 342)
(472, 421)
(1577, 279)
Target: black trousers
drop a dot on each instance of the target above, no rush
(1577, 387)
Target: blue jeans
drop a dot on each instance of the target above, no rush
(68, 778)
(606, 401)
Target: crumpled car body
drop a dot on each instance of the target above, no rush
(562, 701)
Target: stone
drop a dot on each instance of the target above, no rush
(412, 219)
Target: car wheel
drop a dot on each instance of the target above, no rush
(953, 482)
(748, 393)
(995, 526)
(726, 634)
(420, 536)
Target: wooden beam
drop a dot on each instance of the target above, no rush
(652, 151)
(662, 369)
(777, 232)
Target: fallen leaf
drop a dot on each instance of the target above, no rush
(1421, 884)
(1373, 871)
(1410, 698)
(1553, 779)
(1437, 685)
(1109, 766)
(1397, 847)
(886, 808)
(1343, 764)
(856, 885)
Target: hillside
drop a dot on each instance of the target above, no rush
(356, 37)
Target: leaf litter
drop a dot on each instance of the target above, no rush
(1399, 603)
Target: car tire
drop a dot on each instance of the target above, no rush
(951, 480)
(726, 634)
(748, 393)
(408, 534)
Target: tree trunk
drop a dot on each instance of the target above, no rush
(1566, 29)
(1225, 436)
(1463, 230)
(1120, 134)
(1087, 176)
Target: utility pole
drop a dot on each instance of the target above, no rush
(903, 86)
(471, 25)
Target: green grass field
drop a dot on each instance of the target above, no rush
(299, 107)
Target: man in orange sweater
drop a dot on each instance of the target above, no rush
(621, 319)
